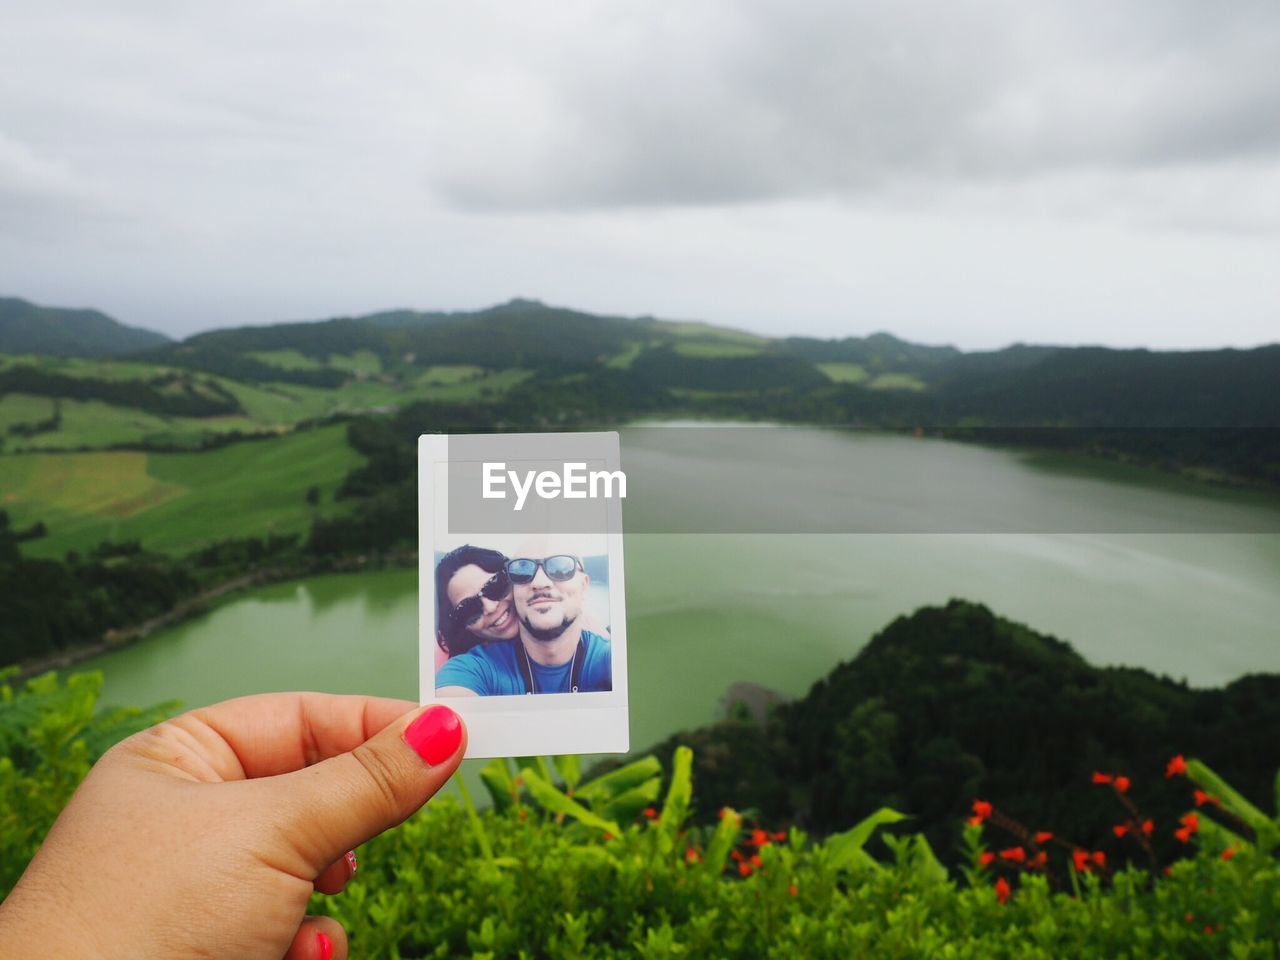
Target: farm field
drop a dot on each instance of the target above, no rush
(896, 381)
(843, 372)
(175, 502)
(94, 424)
(726, 348)
(268, 407)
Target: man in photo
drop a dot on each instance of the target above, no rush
(553, 652)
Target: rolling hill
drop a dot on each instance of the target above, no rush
(62, 332)
(530, 365)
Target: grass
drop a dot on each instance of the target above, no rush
(709, 348)
(362, 361)
(174, 502)
(16, 408)
(286, 359)
(623, 360)
(843, 372)
(92, 423)
(896, 381)
(485, 387)
(707, 331)
(448, 373)
(88, 368)
(268, 407)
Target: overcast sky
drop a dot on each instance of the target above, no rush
(975, 173)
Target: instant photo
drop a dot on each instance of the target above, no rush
(523, 615)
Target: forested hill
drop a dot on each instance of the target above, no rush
(527, 365)
(954, 703)
(26, 328)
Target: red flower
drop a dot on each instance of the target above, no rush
(974, 821)
(651, 813)
(1122, 784)
(1176, 766)
(1190, 821)
(1148, 827)
(1039, 860)
(1016, 854)
(736, 854)
(981, 809)
(755, 860)
(608, 836)
(1228, 853)
(1044, 836)
(744, 869)
(1002, 890)
(780, 836)
(1189, 917)
(1101, 777)
(1183, 834)
(1100, 858)
(984, 859)
(692, 856)
(793, 890)
(1202, 798)
(759, 838)
(1120, 829)
(1080, 860)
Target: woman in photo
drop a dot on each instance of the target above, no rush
(473, 599)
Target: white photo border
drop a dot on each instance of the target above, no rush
(500, 726)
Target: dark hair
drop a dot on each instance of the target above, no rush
(455, 638)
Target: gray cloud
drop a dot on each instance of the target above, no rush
(976, 172)
(763, 101)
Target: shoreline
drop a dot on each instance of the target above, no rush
(118, 638)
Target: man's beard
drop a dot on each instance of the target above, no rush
(547, 634)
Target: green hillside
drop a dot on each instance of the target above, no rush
(175, 502)
(529, 365)
(952, 703)
(64, 332)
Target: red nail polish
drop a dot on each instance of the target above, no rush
(434, 734)
(352, 863)
(326, 946)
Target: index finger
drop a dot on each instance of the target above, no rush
(274, 733)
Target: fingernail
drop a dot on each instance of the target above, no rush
(434, 734)
(352, 863)
(326, 946)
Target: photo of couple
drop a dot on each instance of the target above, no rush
(532, 622)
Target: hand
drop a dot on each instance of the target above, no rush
(204, 836)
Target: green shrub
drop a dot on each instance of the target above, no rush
(50, 734)
(559, 867)
(534, 877)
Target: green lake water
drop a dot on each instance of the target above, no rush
(778, 609)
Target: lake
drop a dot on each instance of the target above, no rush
(781, 609)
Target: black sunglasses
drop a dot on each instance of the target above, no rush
(471, 609)
(560, 567)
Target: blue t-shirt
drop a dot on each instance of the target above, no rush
(492, 669)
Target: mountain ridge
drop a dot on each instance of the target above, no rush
(30, 328)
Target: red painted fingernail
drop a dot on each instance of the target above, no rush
(434, 734)
(326, 946)
(352, 863)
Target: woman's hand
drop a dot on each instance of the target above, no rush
(204, 836)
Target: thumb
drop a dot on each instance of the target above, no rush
(334, 806)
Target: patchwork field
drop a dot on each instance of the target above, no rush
(175, 502)
(844, 372)
(705, 348)
(268, 407)
(896, 381)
